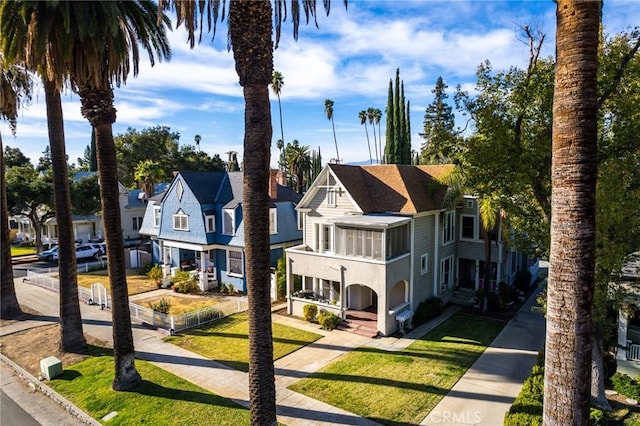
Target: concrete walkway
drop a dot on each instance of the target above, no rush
(486, 391)
(488, 387)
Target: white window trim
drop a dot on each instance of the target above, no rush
(324, 228)
(451, 270)
(181, 215)
(449, 218)
(301, 217)
(475, 227)
(157, 212)
(424, 263)
(210, 219)
(331, 197)
(273, 211)
(232, 231)
(235, 274)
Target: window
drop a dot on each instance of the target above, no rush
(448, 230)
(234, 262)
(228, 222)
(359, 242)
(137, 223)
(424, 263)
(331, 197)
(468, 230)
(301, 220)
(179, 190)
(446, 273)
(397, 241)
(180, 221)
(156, 217)
(210, 222)
(327, 238)
(273, 221)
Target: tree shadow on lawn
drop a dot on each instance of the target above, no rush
(148, 388)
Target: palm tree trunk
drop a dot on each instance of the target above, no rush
(250, 30)
(9, 307)
(567, 380)
(97, 107)
(281, 127)
(335, 140)
(71, 334)
(368, 142)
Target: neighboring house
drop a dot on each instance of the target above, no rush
(382, 239)
(133, 204)
(85, 229)
(197, 225)
(628, 353)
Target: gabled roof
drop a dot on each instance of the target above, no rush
(204, 185)
(394, 188)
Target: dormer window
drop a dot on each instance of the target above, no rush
(156, 217)
(180, 221)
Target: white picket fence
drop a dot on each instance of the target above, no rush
(171, 323)
(633, 352)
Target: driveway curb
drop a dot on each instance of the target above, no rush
(46, 390)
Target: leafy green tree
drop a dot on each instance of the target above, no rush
(191, 159)
(158, 143)
(299, 163)
(390, 149)
(441, 144)
(85, 195)
(14, 157)
(328, 110)
(315, 168)
(148, 173)
(398, 137)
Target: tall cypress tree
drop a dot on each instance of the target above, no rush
(390, 138)
(397, 121)
(407, 134)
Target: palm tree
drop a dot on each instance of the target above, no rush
(572, 260)
(371, 116)
(148, 173)
(362, 115)
(250, 34)
(277, 81)
(34, 36)
(377, 116)
(280, 145)
(328, 109)
(15, 88)
(131, 23)
(299, 163)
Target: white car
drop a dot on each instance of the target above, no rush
(86, 251)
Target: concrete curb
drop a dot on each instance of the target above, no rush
(46, 390)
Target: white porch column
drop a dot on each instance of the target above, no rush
(623, 322)
(288, 276)
(477, 277)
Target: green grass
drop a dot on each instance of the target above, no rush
(227, 341)
(22, 251)
(161, 399)
(402, 387)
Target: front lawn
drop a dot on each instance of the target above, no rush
(402, 387)
(136, 283)
(181, 304)
(227, 341)
(161, 399)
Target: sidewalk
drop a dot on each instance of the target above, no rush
(478, 390)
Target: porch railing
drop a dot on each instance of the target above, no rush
(633, 352)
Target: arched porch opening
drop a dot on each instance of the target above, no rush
(362, 309)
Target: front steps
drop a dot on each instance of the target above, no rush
(463, 296)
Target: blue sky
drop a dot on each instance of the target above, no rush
(349, 59)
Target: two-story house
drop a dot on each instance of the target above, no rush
(383, 239)
(197, 224)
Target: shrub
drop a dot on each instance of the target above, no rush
(144, 270)
(504, 294)
(184, 282)
(227, 288)
(327, 320)
(429, 308)
(281, 278)
(625, 385)
(527, 407)
(163, 306)
(597, 417)
(309, 312)
(155, 273)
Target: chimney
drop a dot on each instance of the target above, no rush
(273, 184)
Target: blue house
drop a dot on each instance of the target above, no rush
(197, 225)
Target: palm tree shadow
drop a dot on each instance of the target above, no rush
(148, 388)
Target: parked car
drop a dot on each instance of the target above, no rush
(48, 255)
(85, 251)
